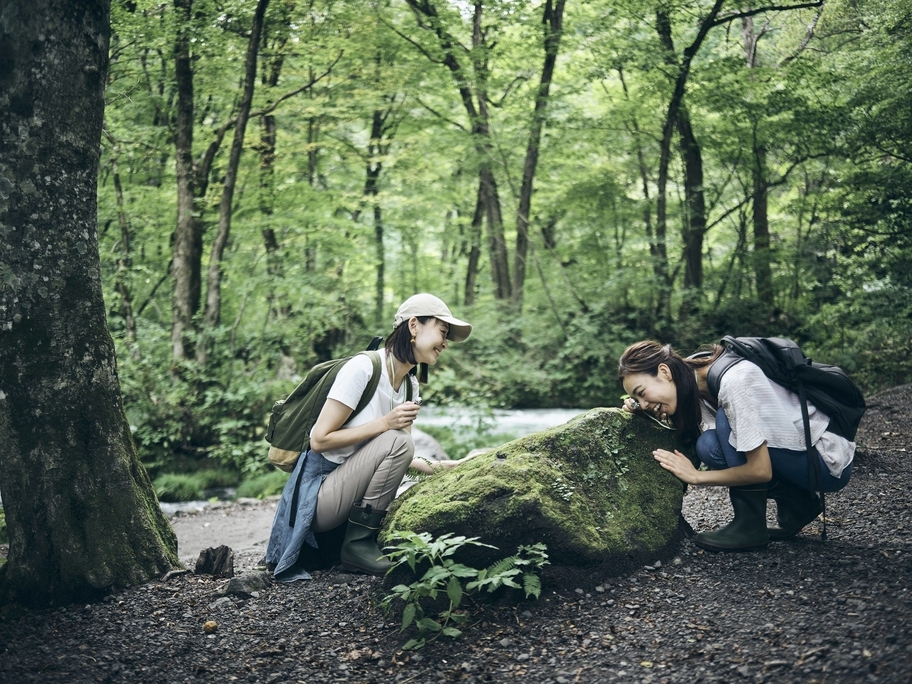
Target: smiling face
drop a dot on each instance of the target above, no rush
(653, 391)
(430, 339)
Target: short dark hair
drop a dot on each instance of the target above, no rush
(399, 344)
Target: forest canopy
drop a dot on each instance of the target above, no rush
(276, 177)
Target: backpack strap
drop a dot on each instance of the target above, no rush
(372, 384)
(815, 477)
(719, 367)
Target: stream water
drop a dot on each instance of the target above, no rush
(511, 424)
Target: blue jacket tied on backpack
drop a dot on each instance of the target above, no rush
(294, 516)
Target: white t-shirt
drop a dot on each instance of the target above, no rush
(348, 387)
(759, 410)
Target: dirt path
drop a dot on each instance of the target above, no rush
(243, 526)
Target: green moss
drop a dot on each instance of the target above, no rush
(589, 489)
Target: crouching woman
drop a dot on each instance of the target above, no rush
(356, 463)
(750, 436)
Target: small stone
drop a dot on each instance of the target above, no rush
(210, 627)
(223, 603)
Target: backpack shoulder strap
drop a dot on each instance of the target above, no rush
(372, 384)
(719, 368)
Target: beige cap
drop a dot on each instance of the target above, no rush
(428, 305)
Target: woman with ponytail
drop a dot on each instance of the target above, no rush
(749, 437)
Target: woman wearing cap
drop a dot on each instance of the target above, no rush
(364, 457)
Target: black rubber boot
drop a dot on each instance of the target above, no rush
(360, 552)
(795, 508)
(747, 532)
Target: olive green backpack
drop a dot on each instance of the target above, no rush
(292, 418)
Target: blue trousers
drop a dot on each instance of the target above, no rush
(714, 449)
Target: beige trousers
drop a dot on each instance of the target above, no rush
(371, 475)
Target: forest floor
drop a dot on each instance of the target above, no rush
(799, 611)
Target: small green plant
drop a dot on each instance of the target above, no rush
(446, 575)
(263, 485)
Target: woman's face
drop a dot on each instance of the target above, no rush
(654, 391)
(430, 339)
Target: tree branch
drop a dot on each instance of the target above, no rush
(724, 19)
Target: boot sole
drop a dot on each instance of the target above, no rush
(361, 571)
(717, 549)
(783, 536)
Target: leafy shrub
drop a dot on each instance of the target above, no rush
(445, 576)
(4, 535)
(176, 487)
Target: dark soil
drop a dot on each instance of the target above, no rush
(799, 611)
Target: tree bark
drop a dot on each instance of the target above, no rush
(695, 202)
(124, 261)
(474, 251)
(186, 266)
(80, 509)
(678, 118)
(763, 272)
(552, 19)
(214, 277)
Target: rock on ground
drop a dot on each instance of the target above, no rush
(799, 611)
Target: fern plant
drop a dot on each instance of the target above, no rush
(519, 571)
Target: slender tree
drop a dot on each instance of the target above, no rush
(552, 21)
(80, 509)
(213, 310)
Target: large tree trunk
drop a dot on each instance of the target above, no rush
(552, 19)
(186, 267)
(214, 278)
(80, 509)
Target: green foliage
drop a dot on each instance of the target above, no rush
(261, 486)
(174, 487)
(821, 118)
(4, 535)
(445, 577)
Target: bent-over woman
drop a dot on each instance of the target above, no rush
(751, 437)
(355, 463)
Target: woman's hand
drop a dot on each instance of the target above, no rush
(677, 464)
(402, 417)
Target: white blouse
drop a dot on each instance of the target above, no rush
(759, 410)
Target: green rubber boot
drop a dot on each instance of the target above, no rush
(795, 508)
(360, 552)
(747, 532)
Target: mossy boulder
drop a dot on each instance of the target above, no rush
(589, 489)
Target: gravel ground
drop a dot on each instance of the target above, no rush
(799, 611)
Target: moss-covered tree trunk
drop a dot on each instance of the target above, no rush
(80, 509)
